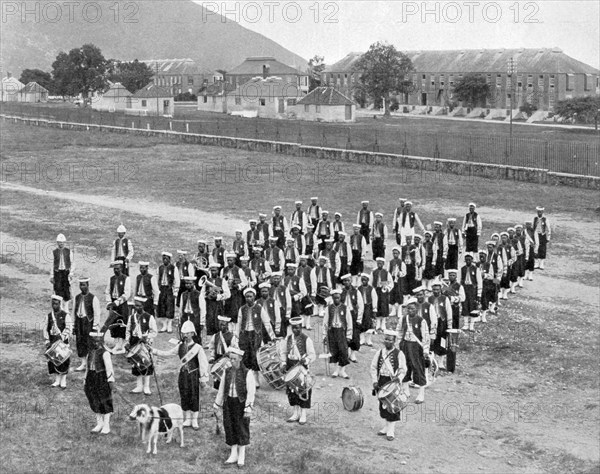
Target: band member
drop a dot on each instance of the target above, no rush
(424, 311)
(531, 250)
(500, 251)
(520, 237)
(279, 226)
(314, 212)
(488, 287)
(253, 236)
(441, 311)
(86, 315)
(122, 249)
(365, 220)
(472, 229)
(146, 285)
(370, 302)
(214, 292)
(323, 230)
(378, 236)
(440, 249)
(185, 269)
(337, 226)
(235, 278)
(358, 247)
(218, 251)
(310, 242)
(62, 271)
(274, 255)
(236, 399)
(141, 328)
(405, 223)
(472, 284)
(260, 266)
(58, 326)
(353, 300)
(252, 321)
(429, 251)
(219, 344)
(299, 218)
(382, 282)
(491, 272)
(397, 269)
(239, 247)
(413, 334)
(248, 272)
(453, 242)
(320, 278)
(168, 281)
(291, 253)
(283, 300)
(297, 348)
(517, 253)
(193, 373)
(456, 294)
(344, 251)
(297, 289)
(337, 327)
(117, 292)
(201, 260)
(411, 257)
(193, 307)
(333, 260)
(396, 221)
(304, 271)
(263, 231)
(298, 238)
(99, 382)
(508, 258)
(388, 365)
(541, 227)
(272, 307)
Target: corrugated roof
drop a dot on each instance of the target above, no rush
(33, 87)
(325, 96)
(254, 66)
(267, 88)
(152, 92)
(117, 90)
(175, 66)
(546, 60)
(11, 84)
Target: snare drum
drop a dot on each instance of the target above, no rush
(139, 356)
(352, 398)
(58, 353)
(299, 381)
(453, 339)
(392, 397)
(267, 355)
(219, 367)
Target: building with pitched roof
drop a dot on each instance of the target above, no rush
(181, 75)
(116, 98)
(325, 104)
(152, 100)
(544, 76)
(265, 66)
(33, 92)
(213, 98)
(9, 89)
(268, 98)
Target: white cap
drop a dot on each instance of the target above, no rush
(539, 208)
(214, 265)
(418, 289)
(346, 276)
(252, 221)
(364, 202)
(189, 278)
(298, 202)
(291, 265)
(314, 198)
(496, 234)
(365, 275)
(245, 258)
(510, 229)
(167, 254)
(182, 252)
(249, 290)
(141, 299)
(451, 219)
(410, 300)
(378, 214)
(296, 226)
(303, 257)
(277, 208)
(452, 270)
(264, 284)
(218, 238)
(428, 232)
(116, 263)
(188, 326)
(84, 280)
(235, 350)
(338, 214)
(323, 257)
(239, 231)
(380, 259)
(437, 223)
(472, 204)
(329, 240)
(56, 298)
(503, 234)
(297, 321)
(61, 238)
(490, 242)
(408, 203)
(518, 226)
(202, 241)
(260, 214)
(225, 319)
(396, 249)
(144, 264)
(121, 228)
(276, 274)
(342, 234)
(273, 238)
(325, 212)
(417, 236)
(230, 255)
(356, 226)
(337, 291)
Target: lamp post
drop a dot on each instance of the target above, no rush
(512, 70)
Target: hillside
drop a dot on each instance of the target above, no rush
(128, 30)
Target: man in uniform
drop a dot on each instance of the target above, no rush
(279, 226)
(141, 328)
(263, 231)
(472, 284)
(378, 236)
(193, 307)
(337, 226)
(297, 289)
(253, 236)
(58, 326)
(239, 247)
(358, 247)
(314, 212)
(281, 294)
(62, 271)
(299, 218)
(323, 230)
(353, 300)
(218, 251)
(370, 302)
(260, 266)
(337, 327)
(405, 223)
(168, 281)
(86, 315)
(365, 220)
(440, 250)
(201, 260)
(184, 268)
(235, 278)
(122, 249)
(146, 285)
(117, 293)
(541, 227)
(274, 255)
(272, 307)
(441, 311)
(214, 292)
(453, 242)
(397, 270)
(219, 344)
(382, 282)
(472, 230)
(320, 277)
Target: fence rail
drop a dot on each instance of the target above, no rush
(574, 157)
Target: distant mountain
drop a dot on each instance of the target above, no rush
(33, 33)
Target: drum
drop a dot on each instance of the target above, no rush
(352, 398)
(432, 370)
(453, 339)
(324, 292)
(392, 397)
(269, 363)
(139, 356)
(219, 367)
(58, 353)
(299, 381)
(274, 376)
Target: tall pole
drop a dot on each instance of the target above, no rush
(156, 90)
(512, 69)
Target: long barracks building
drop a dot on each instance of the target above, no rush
(543, 77)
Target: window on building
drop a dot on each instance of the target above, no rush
(433, 83)
(318, 108)
(306, 107)
(442, 83)
(291, 102)
(238, 101)
(519, 84)
(144, 102)
(206, 99)
(424, 76)
(570, 82)
(262, 102)
(588, 81)
(190, 81)
(541, 76)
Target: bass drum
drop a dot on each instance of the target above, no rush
(352, 398)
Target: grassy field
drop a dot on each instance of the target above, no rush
(558, 149)
(529, 375)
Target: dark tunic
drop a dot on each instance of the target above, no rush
(192, 296)
(166, 299)
(62, 285)
(542, 237)
(250, 341)
(413, 352)
(144, 322)
(293, 398)
(214, 308)
(233, 304)
(384, 379)
(61, 324)
(383, 298)
(472, 239)
(97, 390)
(352, 293)
(237, 426)
(145, 282)
(189, 379)
(368, 320)
(118, 330)
(83, 326)
(336, 336)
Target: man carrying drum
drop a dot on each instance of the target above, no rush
(86, 313)
(297, 349)
(141, 329)
(58, 327)
(388, 365)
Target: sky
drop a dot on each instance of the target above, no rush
(334, 28)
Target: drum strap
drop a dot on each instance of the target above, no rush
(386, 361)
(225, 346)
(193, 352)
(416, 338)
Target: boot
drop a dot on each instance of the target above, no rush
(256, 379)
(406, 389)
(139, 387)
(106, 424)
(307, 322)
(383, 431)
(351, 355)
(536, 263)
(362, 339)
(195, 421)
(295, 416)
(169, 326)
(512, 287)
(529, 275)
(164, 326)
(56, 380)
(542, 263)
(343, 373)
(391, 429)
(302, 419)
(187, 419)
(147, 385)
(233, 457)
(420, 396)
(466, 324)
(368, 340)
(99, 423)
(471, 325)
(520, 282)
(241, 456)
(63, 381)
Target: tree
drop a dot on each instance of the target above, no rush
(472, 89)
(133, 75)
(316, 66)
(43, 78)
(382, 72)
(81, 71)
(581, 109)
